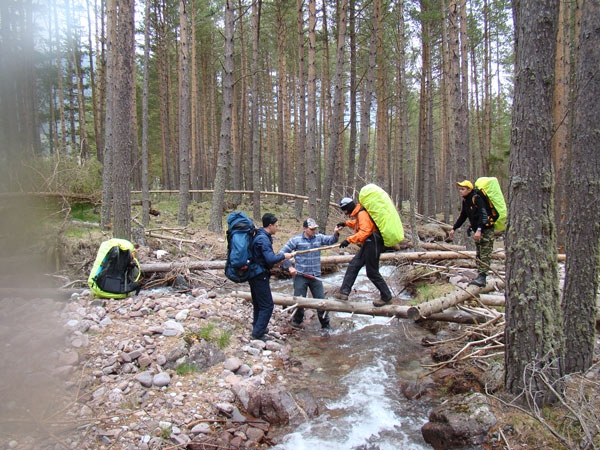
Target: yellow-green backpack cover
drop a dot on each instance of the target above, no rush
(382, 210)
(491, 188)
(116, 271)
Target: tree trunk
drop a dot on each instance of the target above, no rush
(439, 304)
(255, 145)
(399, 311)
(334, 135)
(386, 258)
(349, 172)
(365, 113)
(311, 149)
(447, 138)
(184, 121)
(282, 103)
(216, 211)
(534, 331)
(579, 302)
(145, 118)
(562, 115)
(300, 118)
(107, 163)
(124, 129)
(462, 132)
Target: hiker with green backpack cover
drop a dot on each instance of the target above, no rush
(481, 214)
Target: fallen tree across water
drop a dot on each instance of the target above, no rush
(386, 258)
(459, 295)
(334, 305)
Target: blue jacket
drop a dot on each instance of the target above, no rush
(262, 250)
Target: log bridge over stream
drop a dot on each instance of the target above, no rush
(441, 308)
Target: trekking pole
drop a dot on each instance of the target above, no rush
(312, 277)
(318, 249)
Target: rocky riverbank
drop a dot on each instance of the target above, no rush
(151, 371)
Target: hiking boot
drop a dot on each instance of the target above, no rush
(265, 337)
(296, 325)
(340, 296)
(480, 281)
(380, 302)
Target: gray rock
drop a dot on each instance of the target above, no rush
(205, 355)
(161, 379)
(232, 364)
(278, 407)
(201, 428)
(464, 420)
(144, 360)
(244, 370)
(144, 378)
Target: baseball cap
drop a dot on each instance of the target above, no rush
(310, 223)
(465, 183)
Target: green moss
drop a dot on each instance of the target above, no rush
(185, 369)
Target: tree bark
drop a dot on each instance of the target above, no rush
(534, 331)
(216, 210)
(337, 114)
(389, 258)
(124, 128)
(311, 149)
(579, 303)
(145, 118)
(439, 304)
(255, 110)
(184, 121)
(107, 162)
(334, 305)
(300, 118)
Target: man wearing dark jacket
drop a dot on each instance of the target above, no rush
(475, 209)
(367, 236)
(260, 287)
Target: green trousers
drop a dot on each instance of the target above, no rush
(485, 247)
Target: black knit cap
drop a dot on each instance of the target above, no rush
(268, 219)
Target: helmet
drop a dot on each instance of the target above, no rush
(347, 204)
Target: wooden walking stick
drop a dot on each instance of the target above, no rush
(318, 249)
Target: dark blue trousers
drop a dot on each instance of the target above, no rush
(301, 286)
(262, 301)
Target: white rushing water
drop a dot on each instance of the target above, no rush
(367, 417)
(358, 370)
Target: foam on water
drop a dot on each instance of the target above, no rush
(366, 418)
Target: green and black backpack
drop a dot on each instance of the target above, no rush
(116, 271)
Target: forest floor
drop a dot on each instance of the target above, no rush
(70, 247)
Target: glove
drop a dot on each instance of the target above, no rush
(341, 224)
(344, 243)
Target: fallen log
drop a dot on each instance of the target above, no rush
(459, 295)
(389, 258)
(492, 299)
(434, 246)
(334, 305)
(386, 258)
(458, 316)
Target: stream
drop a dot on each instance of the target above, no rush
(354, 373)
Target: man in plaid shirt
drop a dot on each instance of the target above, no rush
(308, 266)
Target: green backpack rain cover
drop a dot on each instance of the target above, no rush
(491, 188)
(116, 271)
(382, 210)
